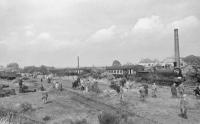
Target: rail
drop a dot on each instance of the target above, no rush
(103, 106)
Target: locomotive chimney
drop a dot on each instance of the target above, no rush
(176, 48)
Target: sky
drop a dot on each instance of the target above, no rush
(55, 32)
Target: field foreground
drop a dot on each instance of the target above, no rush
(62, 107)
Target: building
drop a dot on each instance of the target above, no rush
(148, 63)
(122, 70)
(168, 63)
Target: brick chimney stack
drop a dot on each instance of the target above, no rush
(176, 48)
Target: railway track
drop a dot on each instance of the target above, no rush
(100, 106)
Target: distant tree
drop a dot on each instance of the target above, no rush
(116, 63)
(30, 69)
(13, 66)
(192, 60)
(194, 73)
(43, 69)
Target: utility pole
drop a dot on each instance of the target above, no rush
(78, 65)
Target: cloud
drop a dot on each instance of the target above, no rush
(29, 30)
(103, 35)
(148, 24)
(44, 36)
(187, 22)
(97, 30)
(155, 23)
(29, 33)
(29, 27)
(3, 4)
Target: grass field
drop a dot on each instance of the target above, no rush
(62, 107)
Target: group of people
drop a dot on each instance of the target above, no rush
(176, 91)
(55, 84)
(85, 84)
(179, 91)
(143, 90)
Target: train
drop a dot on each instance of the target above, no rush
(162, 76)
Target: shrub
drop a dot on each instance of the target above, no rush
(23, 107)
(108, 118)
(82, 121)
(46, 118)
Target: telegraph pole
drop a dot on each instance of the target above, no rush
(78, 65)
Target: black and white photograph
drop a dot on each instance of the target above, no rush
(99, 61)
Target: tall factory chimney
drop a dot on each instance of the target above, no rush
(176, 49)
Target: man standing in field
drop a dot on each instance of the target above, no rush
(183, 106)
(20, 85)
(181, 89)
(154, 90)
(174, 90)
(44, 97)
(146, 89)
(41, 80)
(121, 93)
(142, 93)
(197, 91)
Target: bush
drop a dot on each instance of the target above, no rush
(23, 107)
(95, 88)
(46, 118)
(82, 121)
(108, 118)
(107, 75)
(8, 116)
